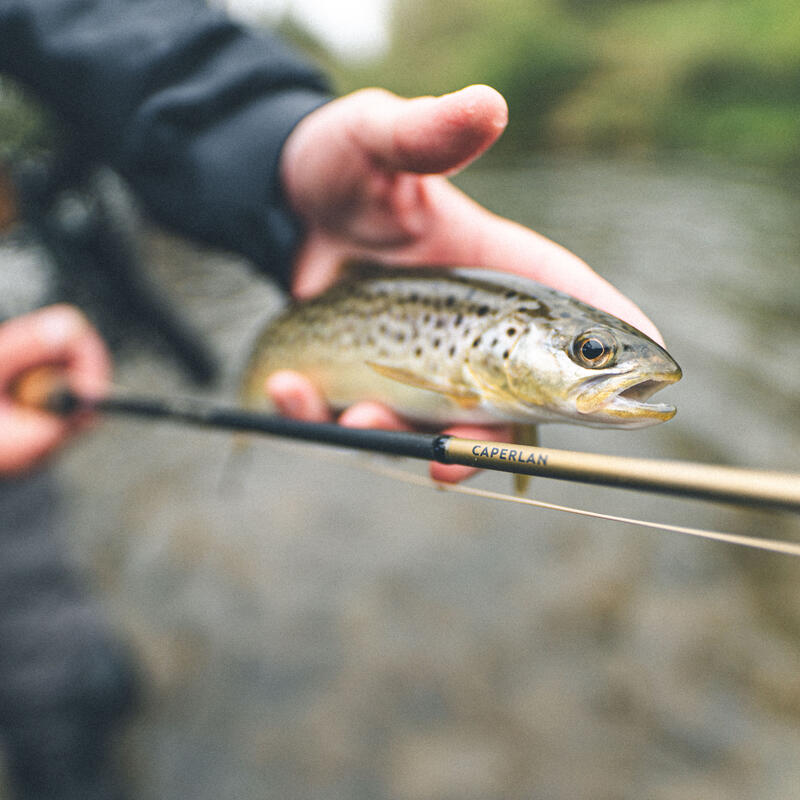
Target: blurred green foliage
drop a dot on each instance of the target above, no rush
(721, 76)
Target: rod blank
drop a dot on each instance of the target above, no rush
(686, 479)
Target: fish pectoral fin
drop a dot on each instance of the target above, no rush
(464, 400)
(491, 393)
(463, 396)
(521, 484)
(525, 434)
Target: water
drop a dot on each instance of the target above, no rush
(311, 630)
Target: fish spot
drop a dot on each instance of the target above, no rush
(458, 320)
(440, 322)
(511, 332)
(437, 342)
(426, 318)
(477, 342)
(482, 311)
(510, 293)
(450, 301)
(541, 310)
(452, 350)
(418, 352)
(494, 342)
(505, 354)
(401, 337)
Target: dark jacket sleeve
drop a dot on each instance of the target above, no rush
(191, 108)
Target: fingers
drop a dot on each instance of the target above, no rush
(28, 436)
(342, 154)
(57, 336)
(431, 135)
(372, 415)
(60, 336)
(296, 396)
(317, 266)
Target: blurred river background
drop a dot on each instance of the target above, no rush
(306, 629)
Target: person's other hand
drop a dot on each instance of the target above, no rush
(366, 174)
(61, 337)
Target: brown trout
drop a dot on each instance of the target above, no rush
(443, 346)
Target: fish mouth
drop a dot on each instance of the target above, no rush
(629, 402)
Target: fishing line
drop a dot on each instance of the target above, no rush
(769, 545)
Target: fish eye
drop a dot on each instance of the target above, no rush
(594, 350)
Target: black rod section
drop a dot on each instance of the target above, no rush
(203, 414)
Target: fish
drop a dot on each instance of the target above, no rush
(444, 346)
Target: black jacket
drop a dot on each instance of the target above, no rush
(191, 108)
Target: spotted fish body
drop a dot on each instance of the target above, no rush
(453, 346)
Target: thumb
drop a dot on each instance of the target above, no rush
(433, 134)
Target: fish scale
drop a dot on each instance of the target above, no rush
(460, 345)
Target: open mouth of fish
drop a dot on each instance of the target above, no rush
(631, 400)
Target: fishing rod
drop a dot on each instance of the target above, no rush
(747, 487)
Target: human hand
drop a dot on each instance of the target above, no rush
(366, 173)
(61, 337)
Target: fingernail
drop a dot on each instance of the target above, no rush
(450, 473)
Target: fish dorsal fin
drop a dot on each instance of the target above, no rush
(463, 396)
(527, 434)
(507, 280)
